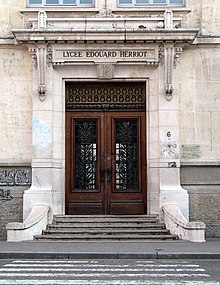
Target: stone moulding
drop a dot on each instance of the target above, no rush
(41, 47)
(23, 36)
(176, 223)
(33, 225)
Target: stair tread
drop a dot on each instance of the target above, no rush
(96, 220)
(95, 231)
(95, 237)
(107, 226)
(105, 216)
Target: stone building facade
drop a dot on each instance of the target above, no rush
(65, 64)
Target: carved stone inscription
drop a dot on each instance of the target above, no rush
(136, 54)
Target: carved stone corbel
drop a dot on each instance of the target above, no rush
(169, 60)
(41, 59)
(169, 57)
(41, 68)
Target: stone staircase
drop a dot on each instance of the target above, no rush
(105, 228)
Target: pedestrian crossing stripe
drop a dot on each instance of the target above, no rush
(99, 272)
(102, 282)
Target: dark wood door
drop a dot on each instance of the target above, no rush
(105, 162)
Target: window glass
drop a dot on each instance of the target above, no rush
(35, 1)
(150, 2)
(69, 2)
(159, 1)
(125, 1)
(52, 2)
(176, 1)
(61, 2)
(142, 2)
(86, 2)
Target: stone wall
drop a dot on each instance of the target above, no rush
(16, 104)
(203, 185)
(199, 85)
(14, 179)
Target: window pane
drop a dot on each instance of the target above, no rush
(51, 2)
(159, 1)
(35, 1)
(87, 2)
(125, 1)
(176, 1)
(68, 2)
(142, 2)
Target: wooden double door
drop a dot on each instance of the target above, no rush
(105, 162)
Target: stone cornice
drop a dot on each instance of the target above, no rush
(145, 10)
(121, 35)
(207, 40)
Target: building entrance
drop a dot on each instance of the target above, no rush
(105, 149)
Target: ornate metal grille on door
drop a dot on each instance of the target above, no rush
(106, 96)
(85, 155)
(126, 154)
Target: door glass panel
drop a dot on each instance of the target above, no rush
(126, 154)
(85, 155)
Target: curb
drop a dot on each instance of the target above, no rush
(116, 255)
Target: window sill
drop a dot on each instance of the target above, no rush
(59, 9)
(152, 9)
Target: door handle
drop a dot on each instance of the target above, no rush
(109, 174)
(102, 174)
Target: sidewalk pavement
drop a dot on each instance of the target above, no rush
(110, 250)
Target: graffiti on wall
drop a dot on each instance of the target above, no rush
(15, 177)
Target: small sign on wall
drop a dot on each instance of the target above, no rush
(190, 151)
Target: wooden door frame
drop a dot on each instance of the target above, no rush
(123, 114)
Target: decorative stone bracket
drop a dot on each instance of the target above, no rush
(169, 56)
(41, 58)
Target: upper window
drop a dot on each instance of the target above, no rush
(150, 2)
(35, 3)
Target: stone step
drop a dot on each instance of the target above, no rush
(87, 237)
(94, 231)
(106, 216)
(102, 219)
(106, 225)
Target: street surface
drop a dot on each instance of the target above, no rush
(111, 272)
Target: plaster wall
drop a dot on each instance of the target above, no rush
(10, 16)
(199, 84)
(15, 102)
